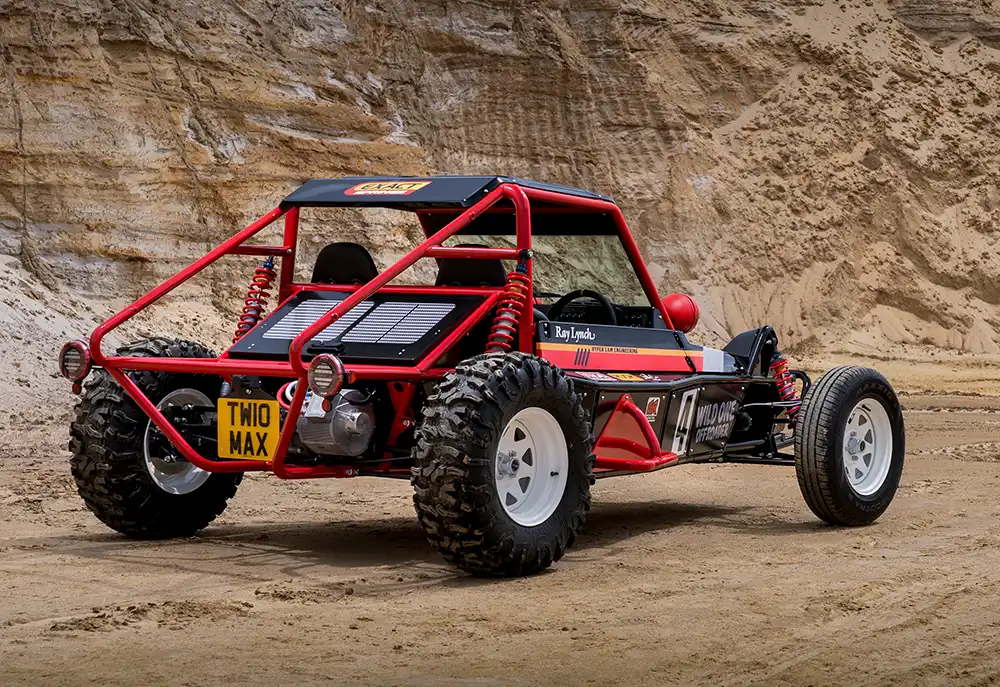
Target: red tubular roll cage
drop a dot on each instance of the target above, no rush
(424, 369)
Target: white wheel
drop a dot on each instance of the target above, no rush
(503, 464)
(532, 465)
(169, 470)
(850, 445)
(867, 446)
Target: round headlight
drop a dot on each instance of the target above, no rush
(74, 361)
(326, 375)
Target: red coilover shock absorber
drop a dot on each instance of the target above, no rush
(256, 300)
(786, 383)
(509, 309)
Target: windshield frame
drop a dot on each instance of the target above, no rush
(600, 264)
(546, 214)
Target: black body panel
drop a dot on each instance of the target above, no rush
(609, 347)
(701, 417)
(356, 343)
(753, 349)
(695, 416)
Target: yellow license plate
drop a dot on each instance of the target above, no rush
(248, 428)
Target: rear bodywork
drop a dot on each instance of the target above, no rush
(654, 398)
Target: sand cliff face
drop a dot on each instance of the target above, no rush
(831, 168)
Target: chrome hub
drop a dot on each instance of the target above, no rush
(507, 463)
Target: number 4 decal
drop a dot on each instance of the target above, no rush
(685, 422)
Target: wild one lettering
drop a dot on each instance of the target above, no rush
(714, 421)
(248, 441)
(572, 334)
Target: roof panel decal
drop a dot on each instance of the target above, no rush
(386, 188)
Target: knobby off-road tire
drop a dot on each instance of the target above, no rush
(456, 479)
(107, 441)
(846, 467)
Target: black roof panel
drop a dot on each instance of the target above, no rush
(411, 193)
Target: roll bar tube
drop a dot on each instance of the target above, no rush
(523, 212)
(624, 235)
(234, 244)
(295, 367)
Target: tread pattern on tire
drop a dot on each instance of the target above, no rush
(453, 490)
(106, 442)
(816, 428)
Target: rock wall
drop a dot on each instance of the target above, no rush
(829, 167)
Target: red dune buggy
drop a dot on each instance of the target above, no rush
(501, 391)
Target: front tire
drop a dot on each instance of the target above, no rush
(129, 489)
(849, 446)
(503, 465)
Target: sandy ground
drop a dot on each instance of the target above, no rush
(700, 575)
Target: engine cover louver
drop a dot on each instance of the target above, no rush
(307, 312)
(396, 327)
(396, 323)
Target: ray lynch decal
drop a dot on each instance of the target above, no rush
(685, 421)
(572, 334)
(714, 421)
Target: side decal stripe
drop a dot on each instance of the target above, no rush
(585, 351)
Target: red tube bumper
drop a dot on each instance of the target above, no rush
(622, 437)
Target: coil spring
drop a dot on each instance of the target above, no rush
(256, 300)
(509, 309)
(786, 382)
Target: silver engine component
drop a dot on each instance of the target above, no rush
(344, 431)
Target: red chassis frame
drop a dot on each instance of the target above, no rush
(649, 457)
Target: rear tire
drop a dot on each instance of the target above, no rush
(849, 446)
(109, 461)
(515, 513)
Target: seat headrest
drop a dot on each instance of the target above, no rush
(470, 271)
(344, 263)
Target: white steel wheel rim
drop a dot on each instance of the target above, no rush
(531, 467)
(179, 476)
(867, 446)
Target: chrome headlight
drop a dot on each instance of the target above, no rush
(326, 375)
(74, 361)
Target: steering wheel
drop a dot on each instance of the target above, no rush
(557, 308)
